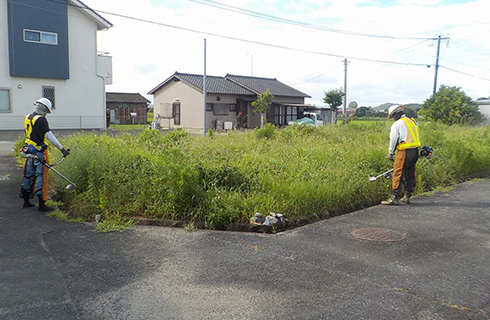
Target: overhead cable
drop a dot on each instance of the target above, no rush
(258, 42)
(247, 12)
(466, 74)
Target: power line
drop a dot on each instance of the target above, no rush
(466, 74)
(464, 64)
(412, 46)
(261, 43)
(247, 12)
(251, 41)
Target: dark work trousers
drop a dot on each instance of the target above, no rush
(404, 171)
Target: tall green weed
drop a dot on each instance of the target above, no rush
(304, 172)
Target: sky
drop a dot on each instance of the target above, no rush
(390, 45)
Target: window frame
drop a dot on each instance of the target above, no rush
(9, 98)
(41, 40)
(221, 109)
(53, 98)
(176, 112)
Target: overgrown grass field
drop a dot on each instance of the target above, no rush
(304, 172)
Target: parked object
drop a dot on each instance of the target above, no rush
(310, 118)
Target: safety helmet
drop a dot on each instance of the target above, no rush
(45, 102)
(394, 108)
(426, 152)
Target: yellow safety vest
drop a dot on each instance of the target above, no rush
(413, 135)
(28, 125)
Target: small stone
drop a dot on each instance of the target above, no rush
(270, 221)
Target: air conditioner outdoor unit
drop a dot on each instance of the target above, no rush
(228, 125)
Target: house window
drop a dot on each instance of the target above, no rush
(40, 37)
(4, 100)
(279, 115)
(291, 114)
(48, 93)
(233, 107)
(176, 113)
(221, 109)
(209, 107)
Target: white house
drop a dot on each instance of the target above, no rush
(179, 102)
(49, 49)
(484, 107)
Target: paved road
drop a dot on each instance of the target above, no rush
(441, 270)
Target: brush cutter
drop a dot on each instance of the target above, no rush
(29, 151)
(71, 185)
(386, 174)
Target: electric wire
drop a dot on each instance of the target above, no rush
(464, 73)
(256, 14)
(277, 46)
(464, 64)
(254, 42)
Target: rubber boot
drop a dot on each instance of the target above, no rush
(42, 205)
(392, 201)
(406, 198)
(26, 195)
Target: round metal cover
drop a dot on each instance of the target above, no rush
(375, 234)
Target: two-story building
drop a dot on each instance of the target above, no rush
(49, 49)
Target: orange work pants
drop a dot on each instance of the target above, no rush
(404, 171)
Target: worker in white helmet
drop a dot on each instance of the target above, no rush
(405, 138)
(37, 131)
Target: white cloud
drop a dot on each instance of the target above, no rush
(146, 54)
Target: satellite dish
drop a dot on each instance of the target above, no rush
(353, 105)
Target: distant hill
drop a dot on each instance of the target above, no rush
(384, 106)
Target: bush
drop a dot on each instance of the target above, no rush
(304, 172)
(267, 132)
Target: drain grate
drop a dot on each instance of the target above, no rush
(375, 234)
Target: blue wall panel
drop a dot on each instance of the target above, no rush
(38, 60)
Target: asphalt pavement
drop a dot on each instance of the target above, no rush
(427, 260)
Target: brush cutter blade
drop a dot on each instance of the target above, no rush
(70, 187)
(372, 178)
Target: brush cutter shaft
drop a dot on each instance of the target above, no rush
(384, 173)
(54, 170)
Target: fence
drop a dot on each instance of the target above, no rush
(61, 122)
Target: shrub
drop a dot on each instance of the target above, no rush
(304, 172)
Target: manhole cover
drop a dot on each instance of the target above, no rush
(375, 234)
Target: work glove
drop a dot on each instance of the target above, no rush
(65, 152)
(391, 156)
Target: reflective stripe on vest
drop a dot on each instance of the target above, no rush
(28, 125)
(413, 135)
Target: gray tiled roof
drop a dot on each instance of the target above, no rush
(233, 84)
(214, 84)
(126, 97)
(260, 85)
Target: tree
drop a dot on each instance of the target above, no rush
(450, 105)
(262, 105)
(411, 113)
(334, 99)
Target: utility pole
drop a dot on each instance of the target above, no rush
(344, 109)
(437, 60)
(251, 63)
(204, 92)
